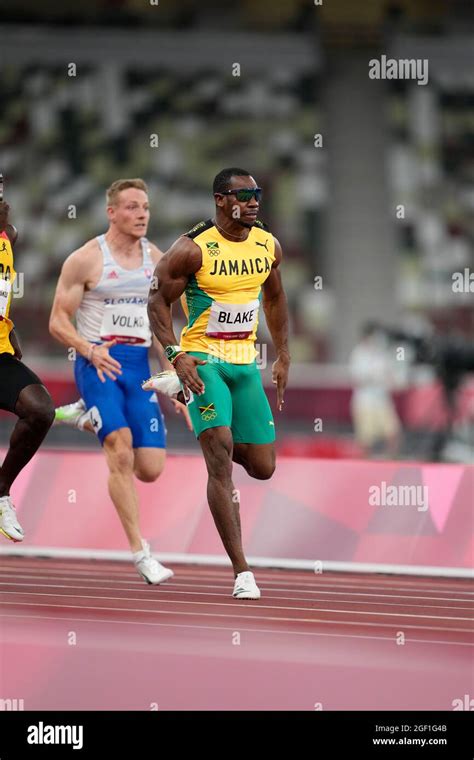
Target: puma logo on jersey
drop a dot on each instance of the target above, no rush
(264, 245)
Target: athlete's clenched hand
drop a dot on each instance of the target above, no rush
(185, 366)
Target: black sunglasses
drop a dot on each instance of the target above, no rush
(244, 194)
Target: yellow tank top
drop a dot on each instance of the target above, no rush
(7, 276)
(221, 301)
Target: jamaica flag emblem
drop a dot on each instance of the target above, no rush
(213, 248)
(208, 412)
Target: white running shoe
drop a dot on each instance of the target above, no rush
(166, 382)
(9, 525)
(245, 586)
(75, 415)
(149, 568)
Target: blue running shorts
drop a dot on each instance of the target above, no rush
(122, 403)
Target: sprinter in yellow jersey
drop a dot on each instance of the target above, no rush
(222, 270)
(21, 391)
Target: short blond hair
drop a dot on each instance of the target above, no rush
(116, 187)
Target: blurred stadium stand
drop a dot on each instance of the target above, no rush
(65, 138)
(166, 70)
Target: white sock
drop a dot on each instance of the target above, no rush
(82, 420)
(141, 553)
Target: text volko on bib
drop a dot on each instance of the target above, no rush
(126, 323)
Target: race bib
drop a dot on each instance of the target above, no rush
(126, 323)
(5, 290)
(232, 321)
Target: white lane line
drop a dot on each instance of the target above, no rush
(159, 600)
(175, 586)
(326, 634)
(192, 571)
(304, 588)
(247, 617)
(167, 590)
(267, 563)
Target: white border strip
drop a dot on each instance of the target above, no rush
(216, 560)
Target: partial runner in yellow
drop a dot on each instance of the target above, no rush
(21, 391)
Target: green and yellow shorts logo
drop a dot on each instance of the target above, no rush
(208, 412)
(233, 398)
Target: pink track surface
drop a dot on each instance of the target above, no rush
(327, 640)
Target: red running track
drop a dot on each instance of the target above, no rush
(82, 635)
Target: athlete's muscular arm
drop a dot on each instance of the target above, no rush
(68, 297)
(12, 233)
(156, 254)
(180, 408)
(276, 314)
(6, 226)
(171, 276)
(15, 344)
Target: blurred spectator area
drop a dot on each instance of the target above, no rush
(264, 14)
(167, 73)
(64, 139)
(431, 168)
(343, 20)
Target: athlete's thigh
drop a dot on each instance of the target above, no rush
(213, 408)
(252, 418)
(105, 401)
(256, 457)
(143, 412)
(148, 463)
(14, 377)
(216, 444)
